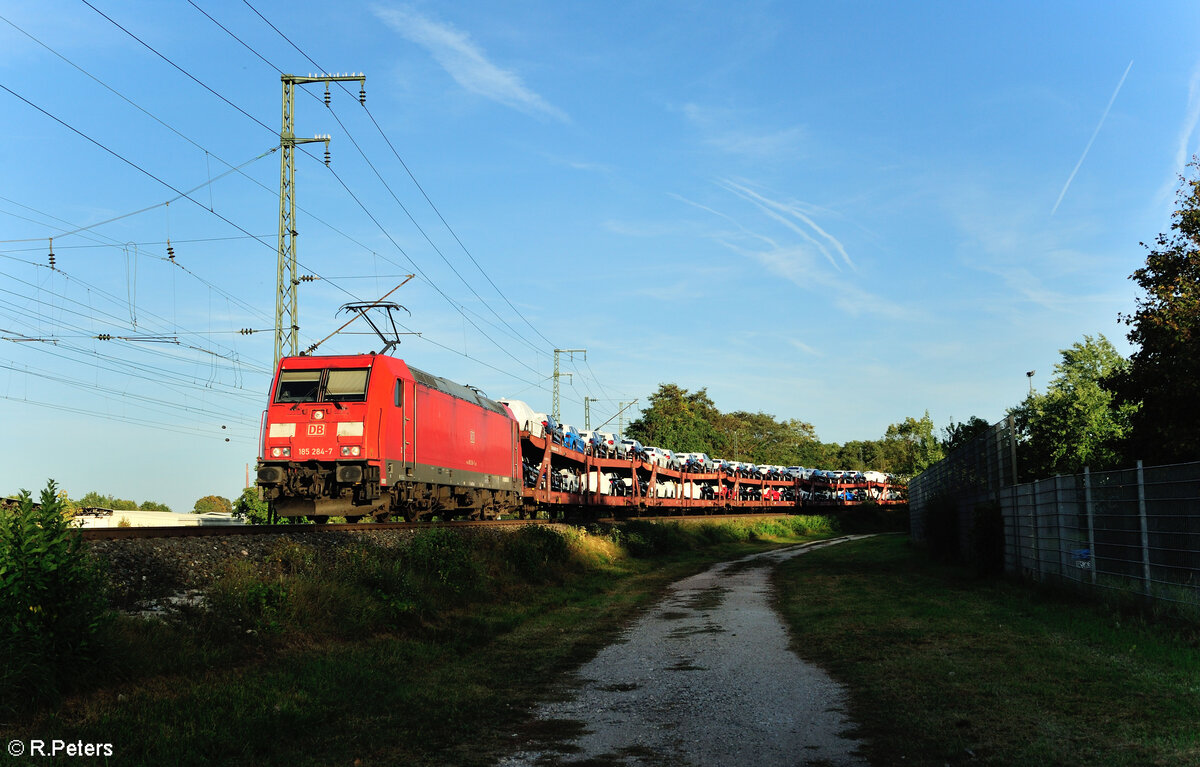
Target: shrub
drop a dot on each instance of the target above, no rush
(241, 600)
(643, 539)
(442, 561)
(52, 600)
(537, 552)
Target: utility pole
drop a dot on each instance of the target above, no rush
(587, 412)
(554, 401)
(287, 320)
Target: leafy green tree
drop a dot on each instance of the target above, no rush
(154, 506)
(910, 447)
(106, 502)
(52, 599)
(250, 507)
(678, 420)
(959, 434)
(213, 503)
(759, 438)
(1076, 423)
(1164, 373)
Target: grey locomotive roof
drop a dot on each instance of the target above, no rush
(456, 390)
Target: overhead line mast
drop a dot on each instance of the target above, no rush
(287, 319)
(554, 399)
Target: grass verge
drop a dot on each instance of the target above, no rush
(424, 654)
(946, 669)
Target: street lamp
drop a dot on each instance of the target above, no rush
(1029, 375)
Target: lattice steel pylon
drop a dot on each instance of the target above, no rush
(287, 319)
(554, 398)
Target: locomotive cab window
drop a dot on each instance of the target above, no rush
(298, 386)
(398, 393)
(346, 386)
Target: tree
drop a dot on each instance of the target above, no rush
(910, 447)
(678, 420)
(959, 434)
(99, 501)
(250, 507)
(213, 503)
(1164, 373)
(154, 506)
(1076, 423)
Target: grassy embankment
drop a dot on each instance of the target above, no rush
(428, 653)
(944, 668)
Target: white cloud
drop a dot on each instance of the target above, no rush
(1184, 151)
(466, 62)
(769, 207)
(721, 132)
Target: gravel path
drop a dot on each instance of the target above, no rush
(705, 678)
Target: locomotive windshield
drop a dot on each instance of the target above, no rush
(346, 386)
(322, 386)
(298, 386)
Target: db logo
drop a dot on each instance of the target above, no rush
(316, 430)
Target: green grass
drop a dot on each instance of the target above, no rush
(429, 654)
(944, 668)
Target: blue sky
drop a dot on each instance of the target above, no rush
(844, 213)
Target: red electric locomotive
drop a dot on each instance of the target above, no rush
(366, 434)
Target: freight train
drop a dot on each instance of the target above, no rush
(370, 436)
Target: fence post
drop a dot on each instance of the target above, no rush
(1015, 516)
(1033, 518)
(1141, 480)
(1091, 517)
(1058, 527)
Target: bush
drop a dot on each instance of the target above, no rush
(644, 539)
(441, 560)
(537, 552)
(52, 600)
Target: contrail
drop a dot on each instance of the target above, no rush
(1093, 138)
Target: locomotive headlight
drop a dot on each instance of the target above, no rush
(355, 450)
(348, 450)
(276, 452)
(318, 415)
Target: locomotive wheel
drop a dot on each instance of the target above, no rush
(355, 519)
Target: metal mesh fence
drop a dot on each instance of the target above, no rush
(1132, 529)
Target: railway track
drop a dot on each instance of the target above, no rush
(119, 533)
(123, 533)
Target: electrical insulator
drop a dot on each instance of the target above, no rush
(362, 95)
(326, 94)
(170, 251)
(326, 157)
(245, 331)
(307, 278)
(104, 337)
(52, 259)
